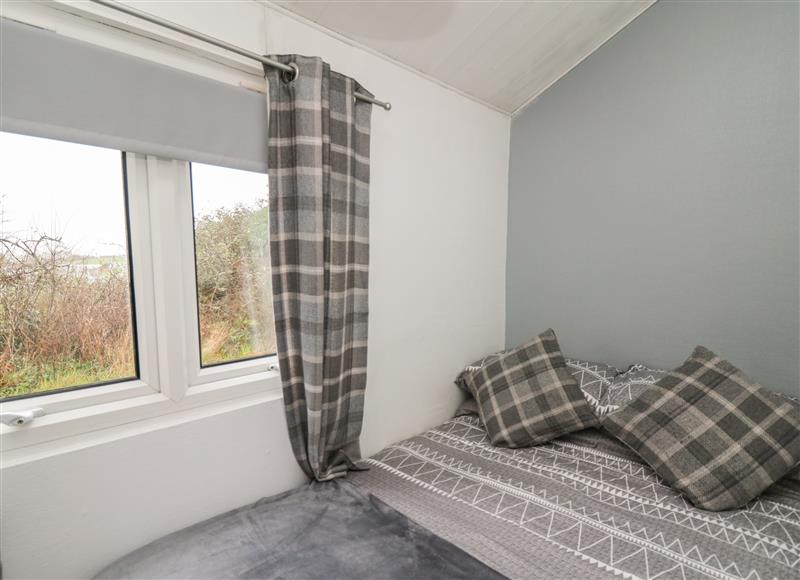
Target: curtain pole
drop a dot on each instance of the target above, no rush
(219, 43)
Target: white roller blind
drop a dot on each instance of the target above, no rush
(62, 88)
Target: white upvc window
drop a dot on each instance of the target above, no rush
(176, 252)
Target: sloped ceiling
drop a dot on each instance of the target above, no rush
(503, 54)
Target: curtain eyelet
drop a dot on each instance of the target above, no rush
(288, 77)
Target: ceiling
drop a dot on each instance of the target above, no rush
(503, 54)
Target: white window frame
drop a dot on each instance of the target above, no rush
(197, 374)
(171, 378)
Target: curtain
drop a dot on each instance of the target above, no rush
(318, 160)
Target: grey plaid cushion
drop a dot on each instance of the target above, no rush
(593, 378)
(527, 396)
(711, 433)
(461, 379)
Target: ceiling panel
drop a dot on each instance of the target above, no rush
(501, 53)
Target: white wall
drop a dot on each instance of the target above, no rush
(438, 231)
(437, 249)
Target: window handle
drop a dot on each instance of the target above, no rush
(21, 418)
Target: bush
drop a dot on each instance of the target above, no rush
(65, 320)
(233, 283)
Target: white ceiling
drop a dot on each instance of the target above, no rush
(501, 53)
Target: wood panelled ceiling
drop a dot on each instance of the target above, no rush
(503, 54)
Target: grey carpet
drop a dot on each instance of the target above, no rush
(329, 530)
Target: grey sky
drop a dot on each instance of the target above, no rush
(75, 191)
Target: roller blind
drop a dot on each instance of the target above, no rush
(61, 88)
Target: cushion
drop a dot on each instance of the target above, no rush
(593, 379)
(794, 474)
(527, 396)
(710, 432)
(627, 386)
(461, 379)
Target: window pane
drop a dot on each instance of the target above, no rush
(234, 293)
(66, 314)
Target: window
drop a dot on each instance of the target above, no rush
(231, 241)
(144, 278)
(66, 306)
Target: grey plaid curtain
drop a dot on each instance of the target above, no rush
(319, 243)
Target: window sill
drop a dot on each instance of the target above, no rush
(74, 422)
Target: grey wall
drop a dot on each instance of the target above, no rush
(653, 197)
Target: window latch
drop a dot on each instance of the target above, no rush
(21, 418)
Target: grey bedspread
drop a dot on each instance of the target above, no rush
(328, 530)
(579, 507)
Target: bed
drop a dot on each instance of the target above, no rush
(447, 504)
(581, 506)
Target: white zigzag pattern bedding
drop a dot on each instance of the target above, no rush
(594, 380)
(578, 507)
(627, 386)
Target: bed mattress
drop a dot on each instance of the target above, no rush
(581, 506)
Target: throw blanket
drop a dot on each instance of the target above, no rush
(328, 530)
(582, 506)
